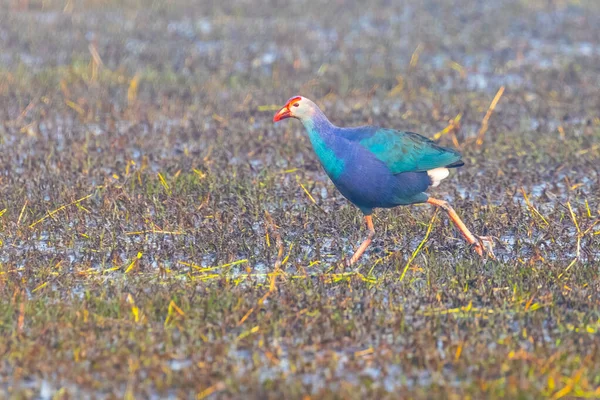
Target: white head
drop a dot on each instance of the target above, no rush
(297, 107)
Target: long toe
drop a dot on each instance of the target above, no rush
(486, 244)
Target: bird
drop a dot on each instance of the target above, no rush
(375, 167)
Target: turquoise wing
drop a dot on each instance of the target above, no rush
(408, 151)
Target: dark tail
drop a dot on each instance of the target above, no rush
(456, 164)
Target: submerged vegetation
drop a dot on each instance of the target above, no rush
(159, 237)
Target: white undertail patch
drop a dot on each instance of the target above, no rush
(437, 175)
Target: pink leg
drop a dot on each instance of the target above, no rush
(366, 242)
(479, 243)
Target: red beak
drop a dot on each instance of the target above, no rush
(282, 114)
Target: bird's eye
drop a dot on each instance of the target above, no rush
(296, 105)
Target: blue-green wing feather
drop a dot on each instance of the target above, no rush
(406, 151)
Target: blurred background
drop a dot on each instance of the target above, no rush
(146, 198)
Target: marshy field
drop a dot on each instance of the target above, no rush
(160, 237)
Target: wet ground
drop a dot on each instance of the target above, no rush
(161, 238)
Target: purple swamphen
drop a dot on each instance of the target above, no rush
(377, 167)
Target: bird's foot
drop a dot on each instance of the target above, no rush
(346, 263)
(485, 245)
(341, 265)
(349, 265)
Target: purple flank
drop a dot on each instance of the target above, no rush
(368, 183)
